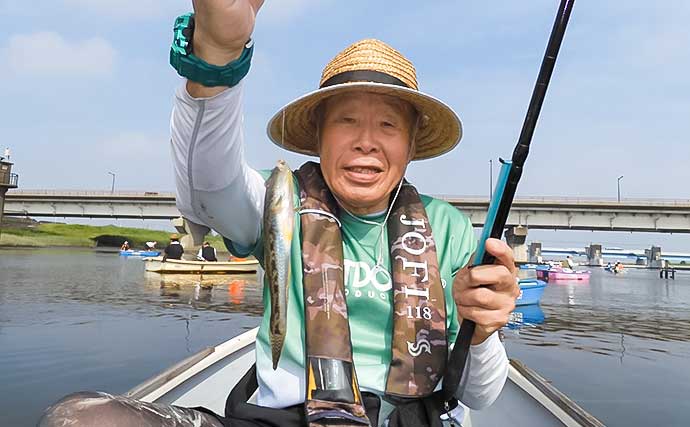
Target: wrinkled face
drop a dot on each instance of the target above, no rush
(364, 148)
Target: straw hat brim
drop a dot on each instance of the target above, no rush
(293, 127)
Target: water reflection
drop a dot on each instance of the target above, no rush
(218, 292)
(526, 316)
(604, 316)
(80, 320)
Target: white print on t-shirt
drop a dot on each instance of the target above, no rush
(363, 280)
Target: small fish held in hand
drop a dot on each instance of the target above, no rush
(278, 225)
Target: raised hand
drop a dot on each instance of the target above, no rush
(222, 28)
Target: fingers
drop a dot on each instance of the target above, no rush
(489, 320)
(496, 277)
(502, 252)
(488, 299)
(256, 5)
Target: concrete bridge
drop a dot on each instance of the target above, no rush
(552, 213)
(597, 254)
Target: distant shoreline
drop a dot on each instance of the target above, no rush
(72, 236)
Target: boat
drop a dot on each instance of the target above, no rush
(543, 271)
(526, 316)
(531, 291)
(157, 265)
(133, 253)
(528, 266)
(206, 378)
(567, 274)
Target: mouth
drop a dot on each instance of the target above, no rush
(367, 170)
(363, 174)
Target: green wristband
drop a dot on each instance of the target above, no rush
(196, 69)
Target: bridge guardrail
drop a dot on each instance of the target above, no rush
(89, 193)
(575, 200)
(450, 198)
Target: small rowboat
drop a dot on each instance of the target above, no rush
(206, 378)
(179, 266)
(526, 316)
(531, 291)
(567, 274)
(130, 252)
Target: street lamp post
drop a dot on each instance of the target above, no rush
(491, 179)
(619, 188)
(112, 186)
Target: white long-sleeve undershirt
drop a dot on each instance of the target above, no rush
(216, 188)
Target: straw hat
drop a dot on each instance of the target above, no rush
(372, 66)
(174, 236)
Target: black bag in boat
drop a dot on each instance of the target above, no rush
(239, 413)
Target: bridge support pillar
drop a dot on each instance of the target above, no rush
(194, 234)
(654, 257)
(594, 255)
(535, 252)
(7, 180)
(2, 205)
(516, 236)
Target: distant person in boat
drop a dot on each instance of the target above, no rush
(174, 250)
(569, 261)
(396, 263)
(618, 268)
(125, 246)
(150, 246)
(207, 253)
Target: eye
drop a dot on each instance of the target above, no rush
(388, 124)
(347, 119)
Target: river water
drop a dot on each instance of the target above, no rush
(82, 320)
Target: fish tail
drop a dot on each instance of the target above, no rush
(276, 349)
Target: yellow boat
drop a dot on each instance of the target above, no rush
(181, 266)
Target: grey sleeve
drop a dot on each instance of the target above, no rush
(215, 186)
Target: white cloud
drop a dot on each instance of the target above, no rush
(49, 52)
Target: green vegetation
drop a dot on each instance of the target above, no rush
(42, 235)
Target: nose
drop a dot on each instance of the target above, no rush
(366, 141)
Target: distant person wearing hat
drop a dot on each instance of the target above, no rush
(125, 246)
(207, 253)
(396, 263)
(174, 250)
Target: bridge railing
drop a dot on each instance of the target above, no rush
(651, 201)
(89, 193)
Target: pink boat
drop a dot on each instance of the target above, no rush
(567, 274)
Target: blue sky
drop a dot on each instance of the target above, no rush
(86, 88)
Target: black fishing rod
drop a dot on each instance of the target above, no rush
(503, 195)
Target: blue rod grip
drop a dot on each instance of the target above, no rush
(506, 166)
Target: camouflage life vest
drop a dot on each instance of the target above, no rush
(419, 347)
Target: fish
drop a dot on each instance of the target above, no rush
(278, 226)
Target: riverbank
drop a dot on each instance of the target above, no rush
(39, 235)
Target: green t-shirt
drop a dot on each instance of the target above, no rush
(369, 298)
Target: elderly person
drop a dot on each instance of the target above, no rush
(398, 262)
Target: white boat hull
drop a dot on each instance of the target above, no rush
(207, 378)
(179, 266)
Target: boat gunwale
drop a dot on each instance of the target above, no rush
(172, 377)
(245, 262)
(552, 394)
(541, 390)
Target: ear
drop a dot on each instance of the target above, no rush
(413, 150)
